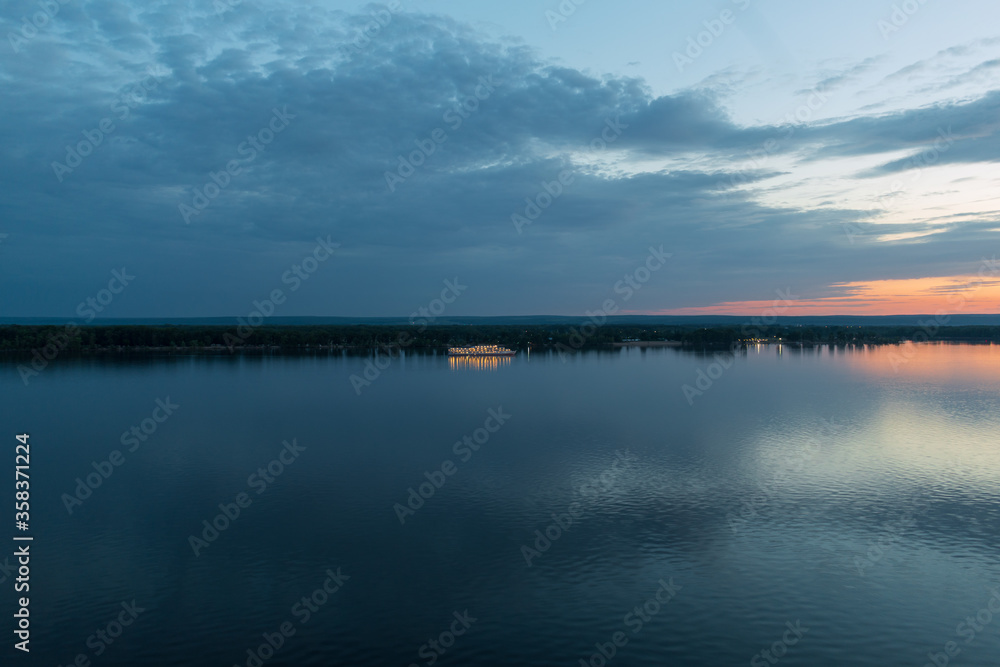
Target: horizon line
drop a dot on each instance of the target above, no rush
(15, 320)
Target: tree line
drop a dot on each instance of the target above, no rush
(21, 338)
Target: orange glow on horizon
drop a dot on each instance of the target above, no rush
(911, 296)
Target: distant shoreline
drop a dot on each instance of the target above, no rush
(45, 342)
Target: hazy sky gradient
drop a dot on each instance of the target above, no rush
(845, 153)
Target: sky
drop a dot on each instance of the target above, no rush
(203, 159)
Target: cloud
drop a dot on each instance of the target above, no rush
(968, 128)
(938, 60)
(852, 73)
(361, 102)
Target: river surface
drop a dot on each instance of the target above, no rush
(636, 507)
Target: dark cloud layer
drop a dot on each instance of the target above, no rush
(175, 93)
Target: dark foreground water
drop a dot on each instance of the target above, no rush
(829, 507)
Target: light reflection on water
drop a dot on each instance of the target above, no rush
(486, 363)
(880, 533)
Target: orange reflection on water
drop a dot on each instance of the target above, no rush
(935, 361)
(478, 363)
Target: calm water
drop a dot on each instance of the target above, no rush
(826, 489)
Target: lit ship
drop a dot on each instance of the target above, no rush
(480, 351)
